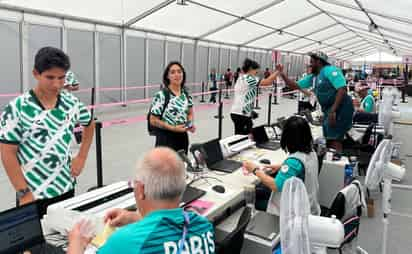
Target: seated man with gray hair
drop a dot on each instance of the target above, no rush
(159, 225)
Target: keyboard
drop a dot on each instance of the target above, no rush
(227, 166)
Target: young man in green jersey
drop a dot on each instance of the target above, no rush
(159, 225)
(36, 131)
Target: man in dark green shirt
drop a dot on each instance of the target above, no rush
(330, 90)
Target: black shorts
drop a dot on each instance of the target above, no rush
(173, 140)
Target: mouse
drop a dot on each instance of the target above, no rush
(219, 188)
(265, 161)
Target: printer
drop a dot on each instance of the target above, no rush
(92, 205)
(235, 144)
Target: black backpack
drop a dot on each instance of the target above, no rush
(153, 129)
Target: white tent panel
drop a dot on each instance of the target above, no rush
(284, 13)
(395, 37)
(169, 19)
(274, 39)
(340, 38)
(233, 6)
(352, 22)
(379, 57)
(378, 38)
(345, 43)
(311, 48)
(328, 33)
(346, 12)
(110, 11)
(239, 33)
(404, 29)
(293, 45)
(402, 8)
(356, 44)
(311, 25)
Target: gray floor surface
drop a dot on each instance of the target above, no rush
(124, 144)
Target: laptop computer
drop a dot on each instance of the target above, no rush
(21, 230)
(262, 140)
(214, 158)
(191, 194)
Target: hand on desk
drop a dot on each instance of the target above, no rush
(120, 217)
(79, 237)
(271, 169)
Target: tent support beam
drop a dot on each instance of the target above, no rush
(282, 28)
(238, 19)
(304, 36)
(399, 19)
(365, 23)
(330, 37)
(149, 12)
(332, 17)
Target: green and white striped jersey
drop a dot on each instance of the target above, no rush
(177, 109)
(245, 95)
(43, 138)
(71, 79)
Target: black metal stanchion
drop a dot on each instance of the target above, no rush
(203, 92)
(99, 163)
(93, 101)
(275, 93)
(227, 91)
(219, 115)
(269, 109)
(220, 120)
(99, 158)
(257, 98)
(403, 94)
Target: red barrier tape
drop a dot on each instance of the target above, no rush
(196, 109)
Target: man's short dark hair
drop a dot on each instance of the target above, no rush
(250, 64)
(296, 135)
(49, 57)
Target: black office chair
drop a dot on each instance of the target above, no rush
(363, 149)
(233, 242)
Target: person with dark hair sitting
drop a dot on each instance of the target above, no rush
(302, 162)
(245, 95)
(36, 132)
(173, 118)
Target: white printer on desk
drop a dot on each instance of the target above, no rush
(235, 144)
(93, 205)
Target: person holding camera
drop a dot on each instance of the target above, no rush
(246, 86)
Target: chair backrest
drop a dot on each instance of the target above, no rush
(349, 216)
(232, 244)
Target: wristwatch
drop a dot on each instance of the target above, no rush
(21, 193)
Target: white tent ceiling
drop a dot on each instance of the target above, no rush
(338, 27)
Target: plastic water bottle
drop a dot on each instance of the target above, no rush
(322, 146)
(354, 163)
(348, 174)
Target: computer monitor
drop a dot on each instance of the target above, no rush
(20, 229)
(213, 152)
(259, 134)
